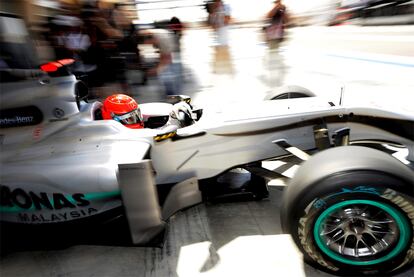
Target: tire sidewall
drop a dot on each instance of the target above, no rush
(362, 185)
(285, 92)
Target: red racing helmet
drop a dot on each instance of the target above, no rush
(124, 109)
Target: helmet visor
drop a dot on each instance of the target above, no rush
(133, 117)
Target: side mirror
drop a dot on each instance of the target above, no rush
(81, 92)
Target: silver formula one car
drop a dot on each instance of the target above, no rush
(349, 207)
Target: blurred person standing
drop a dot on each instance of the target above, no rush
(119, 18)
(219, 19)
(72, 39)
(274, 34)
(176, 27)
(103, 52)
(168, 68)
(66, 33)
(275, 31)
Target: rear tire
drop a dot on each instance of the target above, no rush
(351, 211)
(289, 92)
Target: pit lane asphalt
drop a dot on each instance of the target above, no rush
(243, 238)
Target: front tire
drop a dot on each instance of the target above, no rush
(356, 219)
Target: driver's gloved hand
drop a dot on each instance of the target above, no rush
(183, 113)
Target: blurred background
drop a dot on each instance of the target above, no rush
(235, 50)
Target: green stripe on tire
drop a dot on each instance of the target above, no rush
(401, 221)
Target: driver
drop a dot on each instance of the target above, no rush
(125, 109)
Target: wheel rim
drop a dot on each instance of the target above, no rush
(361, 232)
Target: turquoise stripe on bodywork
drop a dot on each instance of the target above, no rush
(93, 196)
